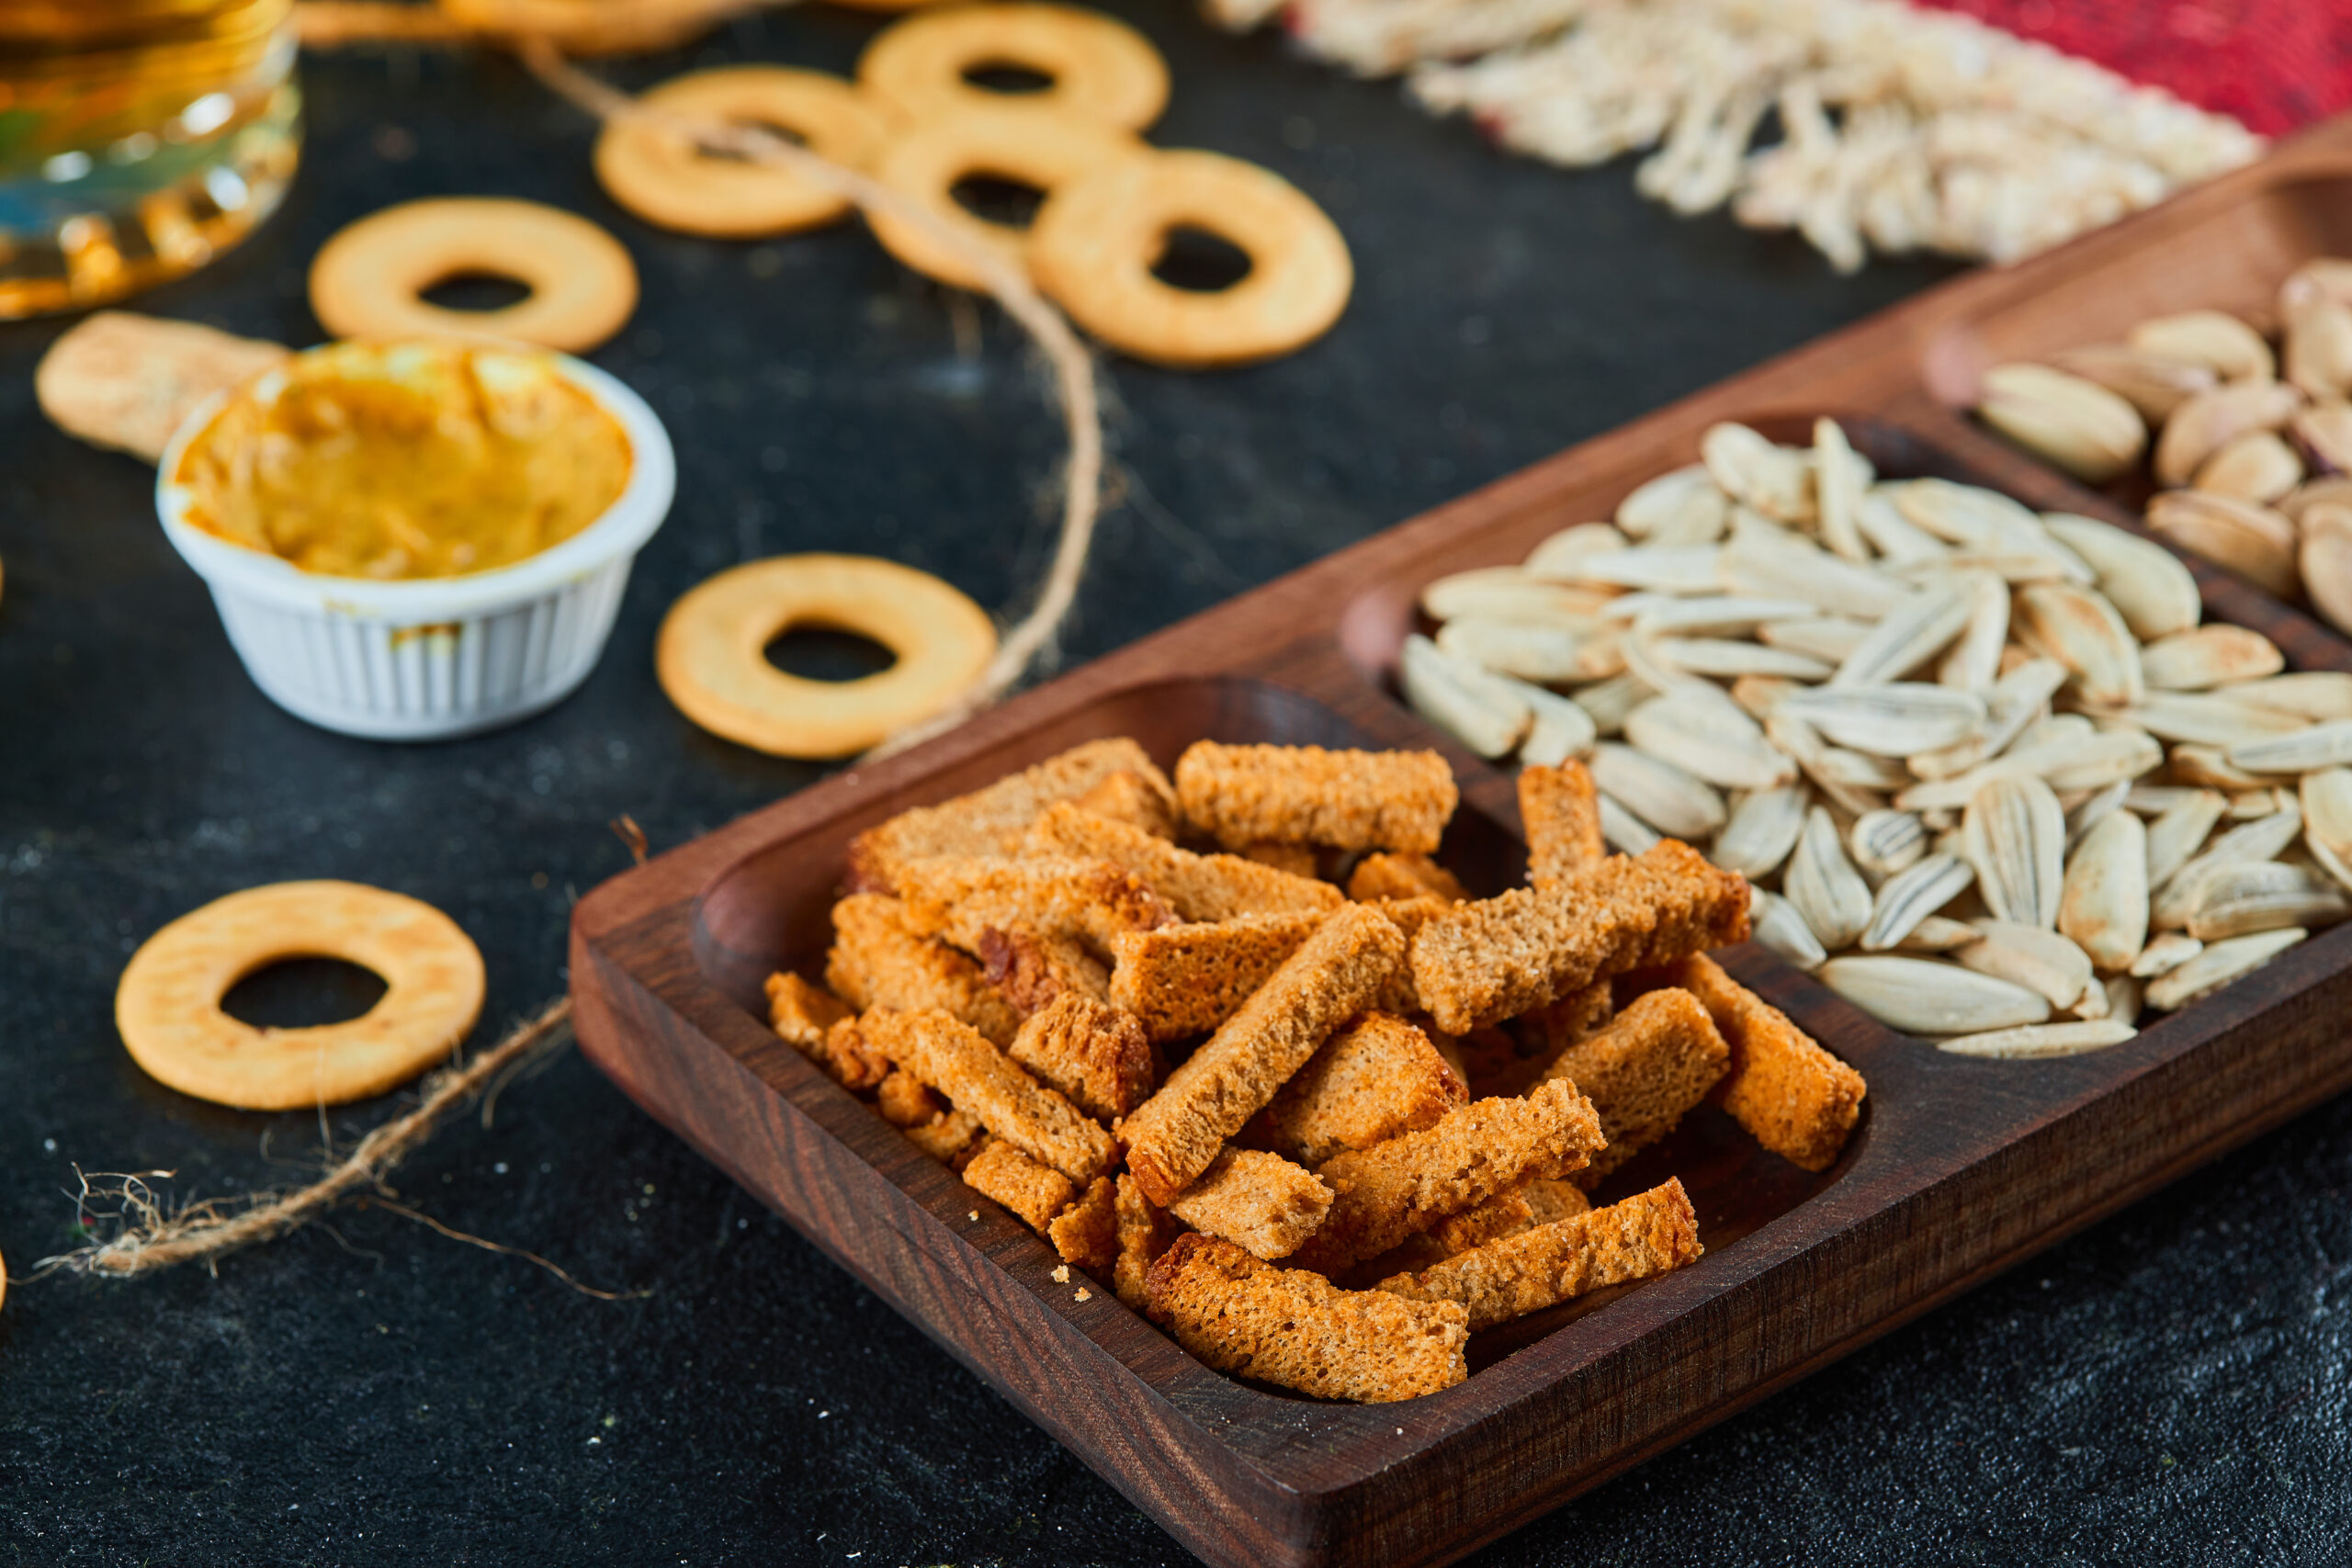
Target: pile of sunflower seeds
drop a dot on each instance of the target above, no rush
(1993, 781)
(2253, 442)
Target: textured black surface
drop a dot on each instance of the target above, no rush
(2170, 1387)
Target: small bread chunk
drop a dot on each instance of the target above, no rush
(877, 960)
(904, 1102)
(1481, 963)
(801, 1012)
(1305, 795)
(1256, 1201)
(1037, 1193)
(1561, 812)
(989, 821)
(954, 1140)
(1145, 1231)
(1093, 900)
(1033, 971)
(1188, 979)
(1298, 1330)
(852, 1059)
(1643, 1072)
(1374, 1080)
(1653, 1232)
(1177, 1131)
(1394, 1189)
(1792, 1095)
(1198, 887)
(1381, 875)
(975, 1076)
(1093, 1053)
(1087, 1233)
(1139, 802)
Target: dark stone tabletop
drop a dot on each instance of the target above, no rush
(2170, 1386)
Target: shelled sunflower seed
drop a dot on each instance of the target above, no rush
(1993, 778)
(2249, 436)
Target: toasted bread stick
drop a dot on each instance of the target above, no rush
(1034, 970)
(1189, 978)
(1561, 812)
(1093, 1053)
(1558, 1199)
(978, 1077)
(1347, 800)
(1035, 1191)
(1198, 887)
(1135, 799)
(879, 960)
(1481, 962)
(1257, 1201)
(1093, 900)
(1145, 1231)
(1371, 1080)
(1651, 1233)
(1408, 1184)
(1506, 1213)
(1379, 875)
(1642, 1073)
(1087, 1233)
(1792, 1096)
(1177, 1131)
(990, 821)
(1297, 1330)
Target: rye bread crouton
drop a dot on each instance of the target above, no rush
(1305, 795)
(1650, 1233)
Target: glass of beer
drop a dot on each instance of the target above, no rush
(138, 140)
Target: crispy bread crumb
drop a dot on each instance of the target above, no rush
(1654, 1232)
(1376, 1078)
(1481, 962)
(1175, 1134)
(1643, 1072)
(1410, 1183)
(1087, 1233)
(954, 1140)
(1139, 802)
(990, 821)
(1297, 1330)
(1560, 811)
(1198, 887)
(1379, 875)
(904, 1102)
(1257, 1201)
(1188, 979)
(851, 1057)
(1791, 1094)
(877, 960)
(1347, 800)
(801, 1012)
(1093, 900)
(1094, 1053)
(978, 1077)
(1145, 1231)
(1034, 1192)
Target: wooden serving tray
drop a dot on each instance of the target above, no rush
(1960, 1168)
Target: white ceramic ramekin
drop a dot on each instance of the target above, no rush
(432, 657)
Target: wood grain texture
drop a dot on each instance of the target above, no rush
(1960, 1168)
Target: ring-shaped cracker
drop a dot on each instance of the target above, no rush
(168, 1004)
(369, 281)
(664, 179)
(1100, 69)
(1031, 147)
(1097, 239)
(711, 656)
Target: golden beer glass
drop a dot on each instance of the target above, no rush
(138, 140)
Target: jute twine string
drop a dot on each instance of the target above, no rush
(151, 1238)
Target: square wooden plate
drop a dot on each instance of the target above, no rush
(1960, 1168)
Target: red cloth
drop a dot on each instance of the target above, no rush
(2275, 64)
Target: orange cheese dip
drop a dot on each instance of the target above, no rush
(405, 460)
